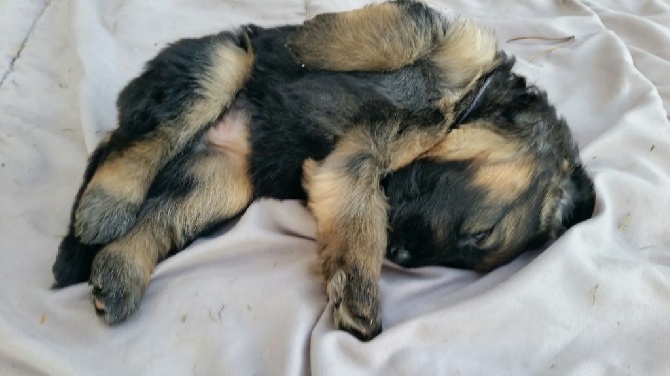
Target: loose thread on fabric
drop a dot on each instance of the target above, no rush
(564, 42)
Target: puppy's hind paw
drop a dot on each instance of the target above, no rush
(101, 218)
(117, 286)
(73, 262)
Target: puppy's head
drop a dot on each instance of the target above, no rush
(507, 178)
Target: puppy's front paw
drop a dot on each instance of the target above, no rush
(117, 284)
(309, 44)
(356, 303)
(101, 217)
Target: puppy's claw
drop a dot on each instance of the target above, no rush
(99, 305)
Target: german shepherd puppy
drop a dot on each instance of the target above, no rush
(406, 132)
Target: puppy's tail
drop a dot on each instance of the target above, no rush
(392, 35)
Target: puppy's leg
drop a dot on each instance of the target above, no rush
(191, 194)
(73, 262)
(350, 209)
(346, 198)
(181, 92)
(395, 34)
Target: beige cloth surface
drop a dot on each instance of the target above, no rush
(244, 301)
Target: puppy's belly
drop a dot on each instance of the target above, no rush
(230, 134)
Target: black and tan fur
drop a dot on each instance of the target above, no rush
(353, 112)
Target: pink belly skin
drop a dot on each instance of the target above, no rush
(230, 134)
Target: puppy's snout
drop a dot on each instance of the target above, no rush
(398, 255)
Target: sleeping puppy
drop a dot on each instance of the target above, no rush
(393, 100)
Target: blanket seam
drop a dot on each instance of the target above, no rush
(30, 32)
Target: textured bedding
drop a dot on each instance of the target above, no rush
(245, 300)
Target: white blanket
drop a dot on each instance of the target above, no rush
(245, 301)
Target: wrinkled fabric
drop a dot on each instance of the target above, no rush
(245, 300)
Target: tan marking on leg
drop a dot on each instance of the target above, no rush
(231, 67)
(387, 37)
(345, 196)
(111, 199)
(413, 144)
(350, 209)
(341, 194)
(230, 70)
(223, 189)
(126, 175)
(346, 199)
(394, 144)
(122, 270)
(131, 171)
(376, 37)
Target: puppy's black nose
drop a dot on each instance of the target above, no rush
(398, 255)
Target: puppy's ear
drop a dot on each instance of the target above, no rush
(583, 199)
(570, 202)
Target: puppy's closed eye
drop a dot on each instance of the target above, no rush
(480, 237)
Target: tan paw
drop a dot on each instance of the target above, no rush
(117, 285)
(101, 218)
(356, 303)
